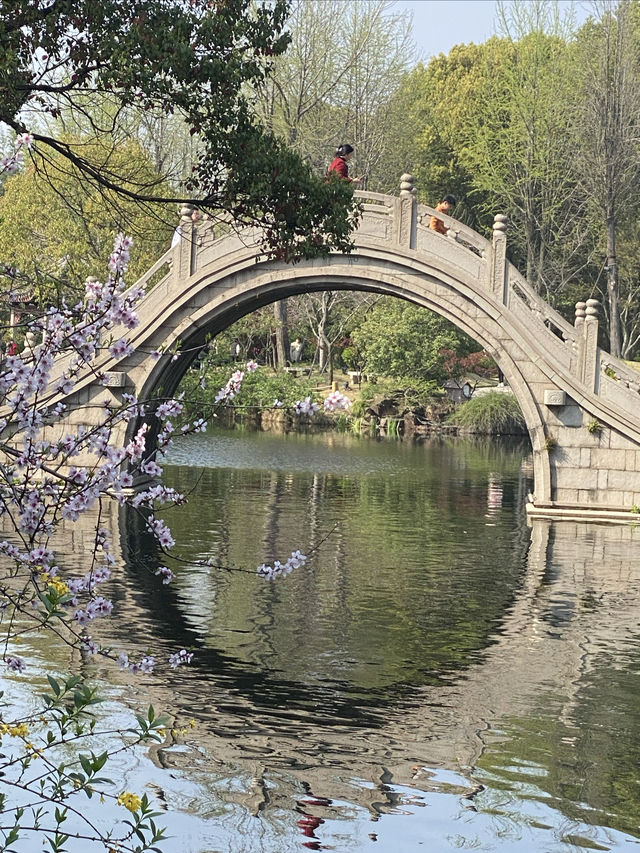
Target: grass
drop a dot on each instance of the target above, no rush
(491, 414)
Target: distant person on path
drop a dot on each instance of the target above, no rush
(339, 163)
(295, 350)
(445, 206)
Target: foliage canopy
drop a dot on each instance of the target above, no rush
(197, 59)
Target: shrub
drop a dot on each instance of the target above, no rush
(410, 393)
(491, 414)
(259, 389)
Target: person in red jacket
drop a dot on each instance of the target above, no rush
(339, 164)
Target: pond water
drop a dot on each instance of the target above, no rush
(438, 676)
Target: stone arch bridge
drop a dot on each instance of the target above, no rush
(581, 405)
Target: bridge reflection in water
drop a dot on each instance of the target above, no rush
(537, 705)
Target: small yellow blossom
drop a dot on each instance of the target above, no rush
(21, 730)
(129, 801)
(192, 724)
(60, 587)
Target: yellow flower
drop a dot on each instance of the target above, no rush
(129, 801)
(60, 587)
(21, 730)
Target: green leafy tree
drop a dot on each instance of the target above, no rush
(56, 229)
(197, 60)
(398, 339)
(490, 124)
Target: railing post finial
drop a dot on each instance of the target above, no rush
(407, 185)
(499, 225)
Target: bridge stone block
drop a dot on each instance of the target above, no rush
(568, 457)
(620, 442)
(612, 459)
(554, 397)
(566, 416)
(575, 478)
(610, 499)
(567, 496)
(628, 481)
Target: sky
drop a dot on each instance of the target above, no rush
(439, 24)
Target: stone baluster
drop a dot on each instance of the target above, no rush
(407, 213)
(499, 278)
(186, 245)
(579, 341)
(591, 361)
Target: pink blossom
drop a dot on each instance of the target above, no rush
(180, 658)
(24, 139)
(15, 663)
(121, 348)
(165, 573)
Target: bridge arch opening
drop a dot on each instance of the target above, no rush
(221, 303)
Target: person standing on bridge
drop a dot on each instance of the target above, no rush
(177, 234)
(344, 153)
(445, 206)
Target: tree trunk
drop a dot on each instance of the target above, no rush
(282, 333)
(615, 346)
(324, 346)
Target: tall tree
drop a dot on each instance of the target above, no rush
(343, 65)
(330, 315)
(606, 142)
(489, 123)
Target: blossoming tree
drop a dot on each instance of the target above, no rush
(45, 480)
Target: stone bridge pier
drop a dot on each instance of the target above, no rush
(581, 405)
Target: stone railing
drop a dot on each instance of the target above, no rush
(400, 222)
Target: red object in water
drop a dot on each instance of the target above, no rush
(308, 823)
